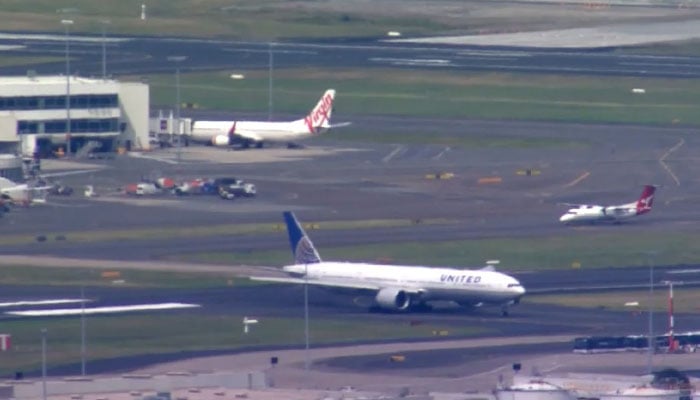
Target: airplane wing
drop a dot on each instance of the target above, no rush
(335, 284)
(250, 135)
(575, 205)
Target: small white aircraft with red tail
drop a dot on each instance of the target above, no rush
(591, 214)
(257, 133)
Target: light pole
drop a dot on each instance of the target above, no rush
(307, 361)
(104, 23)
(269, 83)
(652, 340)
(83, 336)
(671, 320)
(67, 23)
(177, 60)
(43, 363)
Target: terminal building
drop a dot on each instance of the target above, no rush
(101, 115)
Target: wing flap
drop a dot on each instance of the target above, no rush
(338, 284)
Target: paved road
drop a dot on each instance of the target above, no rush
(367, 182)
(140, 55)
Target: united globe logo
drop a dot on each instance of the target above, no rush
(305, 252)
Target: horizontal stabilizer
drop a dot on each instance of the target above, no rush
(338, 125)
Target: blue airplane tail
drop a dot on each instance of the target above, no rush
(303, 250)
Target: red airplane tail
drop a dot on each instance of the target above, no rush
(320, 117)
(646, 199)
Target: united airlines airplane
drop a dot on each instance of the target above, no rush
(396, 287)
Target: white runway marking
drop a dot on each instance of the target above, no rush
(665, 166)
(149, 157)
(413, 61)
(39, 302)
(59, 38)
(393, 154)
(442, 153)
(577, 180)
(11, 47)
(685, 271)
(102, 310)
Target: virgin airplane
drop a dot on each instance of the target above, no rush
(257, 133)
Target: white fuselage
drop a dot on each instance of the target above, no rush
(585, 214)
(208, 131)
(462, 286)
(17, 192)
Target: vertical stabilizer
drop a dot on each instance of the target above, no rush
(303, 250)
(320, 116)
(646, 199)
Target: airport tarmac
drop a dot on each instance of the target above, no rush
(367, 181)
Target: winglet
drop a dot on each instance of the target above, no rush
(490, 265)
(232, 134)
(303, 250)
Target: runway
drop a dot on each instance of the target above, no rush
(139, 55)
(536, 335)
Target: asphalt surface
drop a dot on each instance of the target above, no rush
(351, 181)
(138, 55)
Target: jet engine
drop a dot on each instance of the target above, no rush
(220, 140)
(393, 299)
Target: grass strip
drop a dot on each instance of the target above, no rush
(444, 94)
(67, 276)
(203, 231)
(585, 251)
(636, 302)
(244, 19)
(119, 336)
